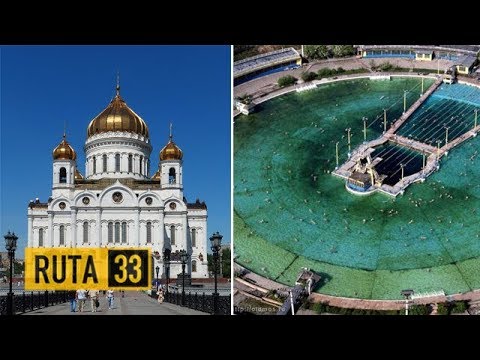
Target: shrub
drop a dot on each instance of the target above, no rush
(340, 70)
(323, 72)
(319, 308)
(287, 80)
(419, 310)
(442, 309)
(308, 76)
(459, 307)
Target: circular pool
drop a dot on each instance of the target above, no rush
(291, 212)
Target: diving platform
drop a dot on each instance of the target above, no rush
(359, 170)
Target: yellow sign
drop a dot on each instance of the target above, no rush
(88, 268)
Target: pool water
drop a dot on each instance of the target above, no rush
(290, 212)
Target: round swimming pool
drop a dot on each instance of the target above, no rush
(291, 212)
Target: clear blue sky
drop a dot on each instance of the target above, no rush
(44, 86)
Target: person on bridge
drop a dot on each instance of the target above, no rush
(110, 299)
(81, 297)
(93, 294)
(72, 296)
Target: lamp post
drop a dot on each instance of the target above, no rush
(10, 246)
(216, 240)
(183, 259)
(166, 263)
(407, 294)
(157, 269)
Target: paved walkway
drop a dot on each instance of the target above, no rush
(134, 303)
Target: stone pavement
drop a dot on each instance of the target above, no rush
(134, 303)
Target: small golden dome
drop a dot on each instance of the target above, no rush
(64, 151)
(157, 175)
(78, 176)
(171, 151)
(117, 117)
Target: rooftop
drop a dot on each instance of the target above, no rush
(261, 61)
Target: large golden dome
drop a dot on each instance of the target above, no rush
(117, 117)
(64, 151)
(171, 151)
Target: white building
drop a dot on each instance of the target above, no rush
(117, 203)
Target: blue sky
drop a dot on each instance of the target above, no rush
(42, 87)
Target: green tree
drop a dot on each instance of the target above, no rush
(316, 51)
(287, 80)
(18, 267)
(442, 309)
(342, 50)
(308, 76)
(226, 262)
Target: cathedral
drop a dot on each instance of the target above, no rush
(116, 203)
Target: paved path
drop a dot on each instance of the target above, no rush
(134, 303)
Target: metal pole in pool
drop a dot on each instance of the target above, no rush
(349, 146)
(438, 149)
(336, 149)
(364, 129)
(422, 88)
(401, 165)
(446, 135)
(384, 120)
(404, 101)
(291, 302)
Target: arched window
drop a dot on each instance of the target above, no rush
(194, 266)
(94, 164)
(130, 162)
(194, 237)
(104, 158)
(172, 235)
(124, 232)
(40, 237)
(171, 176)
(110, 232)
(117, 232)
(63, 175)
(149, 232)
(85, 232)
(62, 234)
(117, 162)
(141, 165)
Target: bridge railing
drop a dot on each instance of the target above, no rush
(200, 302)
(32, 300)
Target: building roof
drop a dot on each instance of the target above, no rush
(197, 205)
(258, 62)
(467, 61)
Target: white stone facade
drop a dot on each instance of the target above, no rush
(122, 206)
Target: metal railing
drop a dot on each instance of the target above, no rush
(203, 302)
(30, 301)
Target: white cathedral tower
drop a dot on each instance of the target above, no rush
(117, 203)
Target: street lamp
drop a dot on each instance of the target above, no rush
(11, 246)
(183, 259)
(407, 294)
(157, 269)
(216, 240)
(166, 262)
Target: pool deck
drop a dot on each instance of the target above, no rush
(434, 154)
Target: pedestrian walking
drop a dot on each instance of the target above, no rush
(110, 299)
(72, 296)
(81, 297)
(93, 294)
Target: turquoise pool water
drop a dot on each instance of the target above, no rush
(291, 212)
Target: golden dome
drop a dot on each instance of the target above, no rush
(171, 151)
(78, 176)
(157, 175)
(64, 151)
(117, 117)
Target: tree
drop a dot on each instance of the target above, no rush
(225, 262)
(18, 267)
(316, 51)
(308, 76)
(342, 50)
(287, 80)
